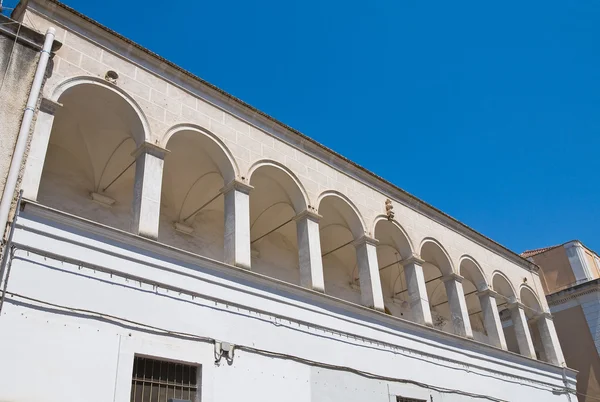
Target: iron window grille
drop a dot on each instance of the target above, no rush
(156, 380)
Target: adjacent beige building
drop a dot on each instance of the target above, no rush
(571, 278)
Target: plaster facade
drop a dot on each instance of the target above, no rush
(192, 218)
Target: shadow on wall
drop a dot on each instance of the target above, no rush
(89, 169)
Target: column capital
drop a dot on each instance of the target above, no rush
(514, 304)
(412, 259)
(452, 277)
(49, 106)
(542, 315)
(308, 214)
(150, 148)
(489, 292)
(364, 239)
(237, 185)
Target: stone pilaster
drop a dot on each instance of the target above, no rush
(550, 341)
(522, 332)
(368, 273)
(491, 318)
(237, 224)
(149, 163)
(417, 290)
(309, 251)
(578, 261)
(458, 306)
(38, 149)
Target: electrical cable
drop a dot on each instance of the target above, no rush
(267, 353)
(392, 348)
(12, 51)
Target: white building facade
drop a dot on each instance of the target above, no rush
(174, 242)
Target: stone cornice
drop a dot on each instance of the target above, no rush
(145, 59)
(574, 292)
(24, 35)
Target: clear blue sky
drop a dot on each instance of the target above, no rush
(490, 112)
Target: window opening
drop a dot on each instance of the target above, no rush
(156, 380)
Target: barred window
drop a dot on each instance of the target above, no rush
(403, 399)
(164, 381)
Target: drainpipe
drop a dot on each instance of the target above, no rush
(17, 158)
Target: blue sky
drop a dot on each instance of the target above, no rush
(488, 111)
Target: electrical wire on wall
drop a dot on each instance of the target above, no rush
(12, 51)
(80, 264)
(263, 352)
(267, 353)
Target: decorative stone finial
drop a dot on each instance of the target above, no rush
(389, 209)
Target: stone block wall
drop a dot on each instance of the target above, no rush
(168, 98)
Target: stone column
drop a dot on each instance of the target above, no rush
(517, 314)
(309, 251)
(579, 262)
(491, 318)
(417, 290)
(550, 341)
(237, 224)
(149, 162)
(458, 305)
(36, 157)
(368, 273)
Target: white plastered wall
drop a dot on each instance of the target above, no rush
(77, 352)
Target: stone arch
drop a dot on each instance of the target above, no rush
(340, 227)
(224, 158)
(277, 199)
(406, 249)
(196, 169)
(436, 266)
(89, 151)
(70, 83)
(432, 251)
(290, 183)
(474, 281)
(470, 269)
(529, 298)
(350, 212)
(539, 328)
(394, 245)
(503, 286)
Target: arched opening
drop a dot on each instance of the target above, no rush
(502, 286)
(88, 169)
(393, 247)
(275, 201)
(437, 265)
(340, 226)
(474, 282)
(533, 309)
(195, 171)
